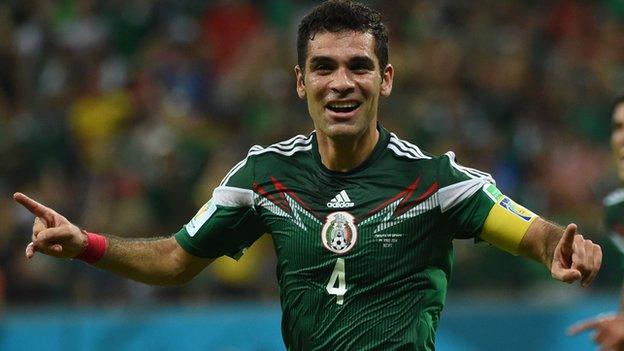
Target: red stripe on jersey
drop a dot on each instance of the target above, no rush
(284, 190)
(281, 202)
(405, 195)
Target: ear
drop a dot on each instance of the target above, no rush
(299, 76)
(386, 80)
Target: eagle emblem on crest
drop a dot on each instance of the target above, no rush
(339, 232)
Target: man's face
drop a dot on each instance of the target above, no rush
(617, 138)
(342, 83)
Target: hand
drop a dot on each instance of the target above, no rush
(575, 258)
(609, 331)
(52, 234)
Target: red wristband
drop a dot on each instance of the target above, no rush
(96, 247)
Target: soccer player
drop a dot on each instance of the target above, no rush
(609, 329)
(362, 222)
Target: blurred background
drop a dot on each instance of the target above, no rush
(124, 115)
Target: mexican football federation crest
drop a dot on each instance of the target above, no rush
(339, 232)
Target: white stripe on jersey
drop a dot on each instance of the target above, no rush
(401, 153)
(617, 240)
(411, 146)
(470, 172)
(286, 144)
(234, 170)
(614, 197)
(290, 152)
(405, 149)
(287, 148)
(232, 197)
(451, 195)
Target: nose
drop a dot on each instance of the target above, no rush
(342, 83)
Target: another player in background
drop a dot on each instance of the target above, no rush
(362, 222)
(609, 329)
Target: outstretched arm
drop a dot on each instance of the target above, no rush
(568, 255)
(159, 261)
(608, 331)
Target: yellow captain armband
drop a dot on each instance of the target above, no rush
(507, 221)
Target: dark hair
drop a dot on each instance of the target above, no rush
(342, 15)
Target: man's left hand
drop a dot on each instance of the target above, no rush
(575, 258)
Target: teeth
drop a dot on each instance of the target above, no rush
(343, 104)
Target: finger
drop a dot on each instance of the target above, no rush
(596, 262)
(46, 241)
(53, 235)
(568, 275)
(583, 326)
(579, 256)
(34, 207)
(38, 226)
(567, 240)
(30, 251)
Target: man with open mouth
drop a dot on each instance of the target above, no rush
(362, 221)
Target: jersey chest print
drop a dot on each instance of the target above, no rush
(339, 229)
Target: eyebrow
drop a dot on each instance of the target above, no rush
(361, 60)
(320, 59)
(364, 61)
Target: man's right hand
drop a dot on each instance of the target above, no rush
(52, 234)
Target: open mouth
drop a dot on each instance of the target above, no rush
(343, 106)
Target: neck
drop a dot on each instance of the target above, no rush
(345, 154)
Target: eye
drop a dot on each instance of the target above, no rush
(322, 68)
(360, 70)
(361, 66)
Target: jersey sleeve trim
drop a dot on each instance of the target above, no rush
(232, 197)
(189, 247)
(234, 169)
(614, 197)
(617, 241)
(452, 195)
(470, 172)
(286, 148)
(406, 149)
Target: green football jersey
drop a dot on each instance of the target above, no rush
(614, 217)
(363, 257)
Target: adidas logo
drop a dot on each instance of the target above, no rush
(340, 201)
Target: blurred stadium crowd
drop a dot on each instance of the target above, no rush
(123, 115)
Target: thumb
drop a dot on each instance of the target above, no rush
(567, 275)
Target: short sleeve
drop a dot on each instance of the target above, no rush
(463, 202)
(228, 223)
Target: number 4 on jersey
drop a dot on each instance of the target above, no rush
(338, 276)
